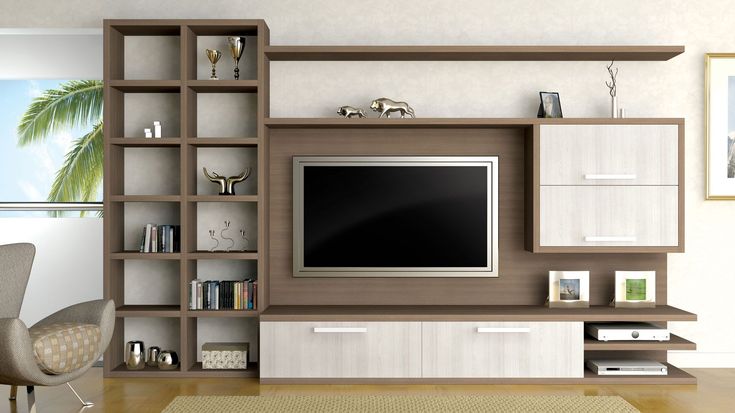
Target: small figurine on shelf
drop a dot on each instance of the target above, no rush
(237, 46)
(216, 241)
(157, 129)
(222, 235)
(245, 240)
(385, 106)
(148, 133)
(349, 112)
(226, 185)
(213, 56)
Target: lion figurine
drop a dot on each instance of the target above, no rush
(385, 106)
(349, 111)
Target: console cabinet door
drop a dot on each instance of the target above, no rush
(609, 216)
(503, 349)
(609, 154)
(340, 349)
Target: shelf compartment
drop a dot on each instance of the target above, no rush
(675, 376)
(145, 198)
(146, 86)
(221, 313)
(164, 311)
(135, 255)
(197, 371)
(472, 53)
(224, 114)
(230, 27)
(154, 372)
(145, 142)
(223, 142)
(223, 86)
(219, 255)
(675, 343)
(222, 198)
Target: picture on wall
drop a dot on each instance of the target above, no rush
(550, 106)
(569, 289)
(720, 125)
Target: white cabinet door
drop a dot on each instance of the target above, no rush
(609, 154)
(609, 216)
(503, 349)
(340, 349)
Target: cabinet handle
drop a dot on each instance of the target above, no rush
(503, 329)
(340, 329)
(609, 239)
(609, 176)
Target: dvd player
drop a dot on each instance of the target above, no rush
(627, 331)
(627, 368)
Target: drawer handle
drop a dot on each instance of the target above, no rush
(609, 176)
(340, 329)
(609, 239)
(503, 329)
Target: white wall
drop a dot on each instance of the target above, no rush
(700, 280)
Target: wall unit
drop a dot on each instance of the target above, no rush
(152, 71)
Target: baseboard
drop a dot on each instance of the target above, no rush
(701, 359)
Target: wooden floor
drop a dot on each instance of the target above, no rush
(714, 393)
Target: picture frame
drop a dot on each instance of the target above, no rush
(719, 104)
(569, 289)
(635, 289)
(550, 106)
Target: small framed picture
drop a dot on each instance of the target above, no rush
(550, 106)
(635, 289)
(569, 289)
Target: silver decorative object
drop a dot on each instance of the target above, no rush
(613, 86)
(211, 235)
(237, 46)
(349, 111)
(227, 185)
(245, 240)
(168, 360)
(213, 56)
(222, 235)
(152, 358)
(385, 106)
(135, 355)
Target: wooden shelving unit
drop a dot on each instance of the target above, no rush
(187, 85)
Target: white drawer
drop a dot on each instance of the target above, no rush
(340, 349)
(609, 154)
(503, 349)
(609, 216)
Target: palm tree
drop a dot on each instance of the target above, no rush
(77, 103)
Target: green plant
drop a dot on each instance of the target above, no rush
(75, 104)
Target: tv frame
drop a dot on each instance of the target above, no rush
(491, 270)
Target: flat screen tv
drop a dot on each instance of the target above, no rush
(407, 216)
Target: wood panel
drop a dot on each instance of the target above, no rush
(523, 276)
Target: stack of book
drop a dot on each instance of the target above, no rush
(223, 295)
(160, 238)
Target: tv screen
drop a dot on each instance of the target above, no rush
(395, 216)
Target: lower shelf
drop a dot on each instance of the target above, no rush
(675, 376)
(194, 371)
(122, 371)
(197, 371)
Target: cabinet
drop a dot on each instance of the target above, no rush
(614, 187)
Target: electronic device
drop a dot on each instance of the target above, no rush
(627, 331)
(395, 216)
(627, 368)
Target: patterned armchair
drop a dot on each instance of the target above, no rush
(57, 349)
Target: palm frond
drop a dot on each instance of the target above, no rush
(80, 175)
(76, 103)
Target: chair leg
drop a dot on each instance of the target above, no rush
(13, 392)
(84, 403)
(31, 399)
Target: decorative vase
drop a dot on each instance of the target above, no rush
(153, 353)
(168, 360)
(614, 107)
(135, 355)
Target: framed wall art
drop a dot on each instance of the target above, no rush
(569, 289)
(719, 89)
(635, 289)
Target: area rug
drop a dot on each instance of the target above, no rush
(412, 404)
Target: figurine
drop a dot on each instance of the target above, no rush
(349, 111)
(227, 185)
(385, 106)
(222, 235)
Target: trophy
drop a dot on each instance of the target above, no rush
(213, 56)
(237, 45)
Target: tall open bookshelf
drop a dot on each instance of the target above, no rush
(157, 70)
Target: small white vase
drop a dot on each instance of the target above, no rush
(614, 107)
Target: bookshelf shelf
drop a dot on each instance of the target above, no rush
(675, 343)
(173, 195)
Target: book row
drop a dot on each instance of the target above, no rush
(223, 295)
(160, 238)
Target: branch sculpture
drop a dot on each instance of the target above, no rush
(227, 185)
(612, 85)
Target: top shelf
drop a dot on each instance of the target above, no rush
(472, 53)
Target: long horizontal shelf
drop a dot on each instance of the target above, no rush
(675, 376)
(223, 142)
(146, 86)
(148, 311)
(222, 198)
(472, 53)
(221, 255)
(471, 313)
(221, 313)
(122, 371)
(369, 123)
(145, 142)
(132, 255)
(145, 198)
(675, 343)
(223, 86)
(197, 371)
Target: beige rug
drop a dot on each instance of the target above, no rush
(412, 404)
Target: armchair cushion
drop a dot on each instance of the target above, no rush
(64, 347)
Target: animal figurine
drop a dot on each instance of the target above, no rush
(385, 106)
(349, 111)
(226, 185)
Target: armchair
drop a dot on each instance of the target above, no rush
(57, 349)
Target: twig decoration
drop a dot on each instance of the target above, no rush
(613, 76)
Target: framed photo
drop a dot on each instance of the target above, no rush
(550, 106)
(719, 89)
(569, 289)
(635, 289)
